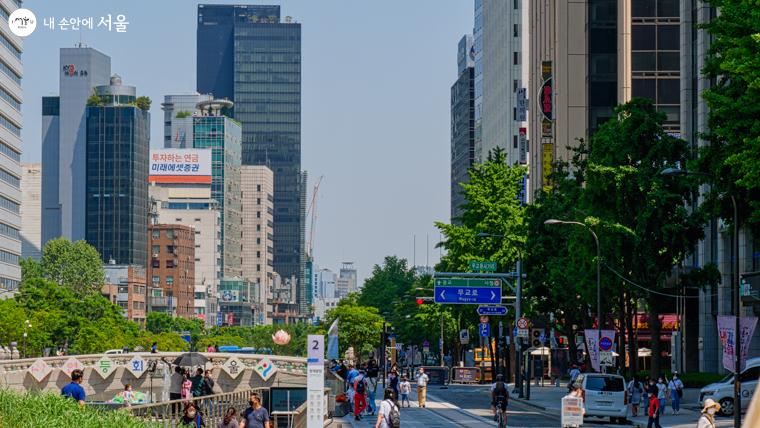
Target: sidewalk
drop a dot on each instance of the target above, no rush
(549, 398)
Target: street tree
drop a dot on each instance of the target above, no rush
(359, 326)
(76, 265)
(733, 66)
(388, 282)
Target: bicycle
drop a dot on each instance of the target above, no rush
(501, 413)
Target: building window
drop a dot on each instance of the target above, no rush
(170, 264)
(170, 249)
(516, 30)
(258, 240)
(156, 280)
(258, 214)
(155, 263)
(516, 4)
(258, 268)
(258, 254)
(258, 228)
(516, 58)
(514, 141)
(258, 201)
(170, 233)
(155, 234)
(169, 280)
(155, 249)
(258, 187)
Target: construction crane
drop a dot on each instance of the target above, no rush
(313, 212)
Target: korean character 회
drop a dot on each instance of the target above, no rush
(86, 22)
(121, 24)
(105, 22)
(63, 24)
(49, 22)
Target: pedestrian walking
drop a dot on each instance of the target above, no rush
(197, 383)
(207, 387)
(635, 391)
(422, 381)
(654, 409)
(360, 397)
(662, 394)
(371, 392)
(192, 417)
(648, 384)
(187, 386)
(388, 416)
(676, 393)
(230, 419)
(707, 418)
(405, 388)
(257, 415)
(393, 380)
(574, 372)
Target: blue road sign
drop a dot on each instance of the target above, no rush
(542, 337)
(492, 310)
(514, 332)
(485, 329)
(467, 295)
(605, 344)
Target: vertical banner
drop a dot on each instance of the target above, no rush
(727, 336)
(523, 145)
(592, 344)
(547, 157)
(315, 381)
(546, 100)
(522, 105)
(333, 350)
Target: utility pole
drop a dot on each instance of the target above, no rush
(518, 340)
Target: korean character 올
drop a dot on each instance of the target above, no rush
(74, 24)
(86, 22)
(121, 24)
(49, 22)
(105, 22)
(63, 24)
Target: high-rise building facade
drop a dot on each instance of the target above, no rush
(118, 142)
(64, 145)
(31, 195)
(178, 118)
(250, 55)
(347, 279)
(462, 123)
(257, 185)
(477, 47)
(10, 152)
(184, 197)
(215, 131)
(504, 63)
(172, 269)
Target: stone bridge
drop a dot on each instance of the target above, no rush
(105, 375)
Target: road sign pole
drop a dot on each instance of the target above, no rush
(518, 340)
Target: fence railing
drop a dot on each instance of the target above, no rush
(212, 408)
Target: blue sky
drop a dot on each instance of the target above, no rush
(375, 106)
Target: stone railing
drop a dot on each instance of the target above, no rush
(106, 375)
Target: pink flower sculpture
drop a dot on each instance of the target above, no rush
(281, 337)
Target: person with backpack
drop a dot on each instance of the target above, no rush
(499, 396)
(388, 416)
(635, 391)
(360, 394)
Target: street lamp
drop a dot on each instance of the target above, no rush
(677, 172)
(27, 324)
(518, 310)
(553, 221)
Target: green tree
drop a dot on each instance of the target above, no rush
(359, 326)
(733, 65)
(388, 281)
(143, 103)
(77, 265)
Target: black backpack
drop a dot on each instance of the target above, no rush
(501, 389)
(394, 418)
(361, 386)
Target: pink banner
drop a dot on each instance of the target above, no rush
(727, 336)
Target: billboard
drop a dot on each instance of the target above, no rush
(180, 166)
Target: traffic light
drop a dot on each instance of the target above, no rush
(423, 300)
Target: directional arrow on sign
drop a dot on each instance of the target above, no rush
(467, 295)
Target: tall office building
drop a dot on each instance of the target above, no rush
(10, 152)
(180, 193)
(118, 142)
(31, 189)
(178, 118)
(504, 64)
(477, 47)
(215, 131)
(250, 55)
(462, 123)
(257, 185)
(347, 280)
(64, 142)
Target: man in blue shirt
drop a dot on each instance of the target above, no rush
(74, 389)
(255, 416)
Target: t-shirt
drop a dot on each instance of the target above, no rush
(574, 374)
(385, 409)
(74, 390)
(405, 387)
(255, 418)
(422, 380)
(675, 384)
(351, 375)
(661, 388)
(176, 383)
(501, 390)
(197, 385)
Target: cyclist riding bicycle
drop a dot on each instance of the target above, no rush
(499, 396)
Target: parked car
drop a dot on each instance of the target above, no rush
(723, 391)
(604, 395)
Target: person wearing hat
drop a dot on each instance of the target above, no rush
(707, 419)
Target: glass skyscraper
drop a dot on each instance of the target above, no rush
(462, 125)
(118, 145)
(222, 135)
(249, 55)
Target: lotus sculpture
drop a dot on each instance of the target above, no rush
(281, 337)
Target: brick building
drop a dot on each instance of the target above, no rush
(171, 270)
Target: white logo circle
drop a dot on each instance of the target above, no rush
(22, 22)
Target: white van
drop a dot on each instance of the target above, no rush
(723, 391)
(604, 395)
